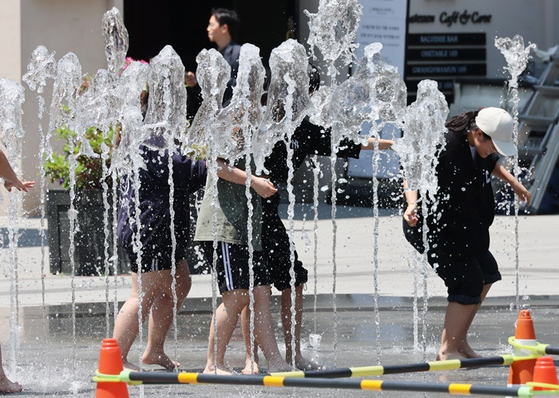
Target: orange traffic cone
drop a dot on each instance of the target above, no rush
(521, 372)
(110, 363)
(544, 372)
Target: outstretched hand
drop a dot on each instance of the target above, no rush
(523, 194)
(19, 185)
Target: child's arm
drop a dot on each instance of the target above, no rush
(382, 144)
(9, 176)
(262, 186)
(500, 172)
(410, 214)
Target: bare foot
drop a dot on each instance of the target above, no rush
(468, 351)
(9, 387)
(130, 366)
(306, 364)
(279, 366)
(220, 370)
(160, 359)
(446, 356)
(251, 367)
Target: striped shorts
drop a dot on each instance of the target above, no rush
(232, 266)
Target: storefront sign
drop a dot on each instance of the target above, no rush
(450, 18)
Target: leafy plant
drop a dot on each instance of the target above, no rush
(89, 170)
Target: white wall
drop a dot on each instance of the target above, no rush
(61, 26)
(10, 59)
(10, 39)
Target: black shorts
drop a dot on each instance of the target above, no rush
(279, 264)
(276, 245)
(232, 266)
(465, 277)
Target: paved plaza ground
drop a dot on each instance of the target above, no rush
(377, 315)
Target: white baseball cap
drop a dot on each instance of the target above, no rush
(497, 124)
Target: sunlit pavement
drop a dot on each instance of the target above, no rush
(377, 282)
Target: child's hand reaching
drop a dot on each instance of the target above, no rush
(19, 185)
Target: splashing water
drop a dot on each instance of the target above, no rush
(213, 73)
(288, 98)
(418, 150)
(133, 82)
(41, 67)
(516, 56)
(423, 140)
(376, 93)
(333, 30)
(12, 97)
(244, 112)
(166, 112)
(116, 40)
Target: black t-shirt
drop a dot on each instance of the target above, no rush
(307, 139)
(465, 204)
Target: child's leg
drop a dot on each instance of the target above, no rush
(161, 315)
(286, 317)
(126, 325)
(251, 361)
(264, 330)
(465, 348)
(227, 316)
(456, 323)
(6, 385)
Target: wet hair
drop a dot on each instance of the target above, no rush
(464, 123)
(314, 81)
(227, 17)
(314, 78)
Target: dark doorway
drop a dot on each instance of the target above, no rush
(182, 24)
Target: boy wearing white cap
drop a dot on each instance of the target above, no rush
(458, 234)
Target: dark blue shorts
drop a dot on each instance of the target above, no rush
(156, 258)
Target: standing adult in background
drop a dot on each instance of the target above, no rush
(221, 31)
(458, 232)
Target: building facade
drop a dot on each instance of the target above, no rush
(446, 40)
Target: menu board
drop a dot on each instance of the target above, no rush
(383, 21)
(443, 57)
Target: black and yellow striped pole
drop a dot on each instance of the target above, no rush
(279, 381)
(539, 348)
(378, 370)
(549, 350)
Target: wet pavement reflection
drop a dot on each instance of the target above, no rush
(53, 360)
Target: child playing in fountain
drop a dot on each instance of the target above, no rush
(229, 231)
(156, 293)
(458, 234)
(308, 139)
(10, 181)
(156, 263)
